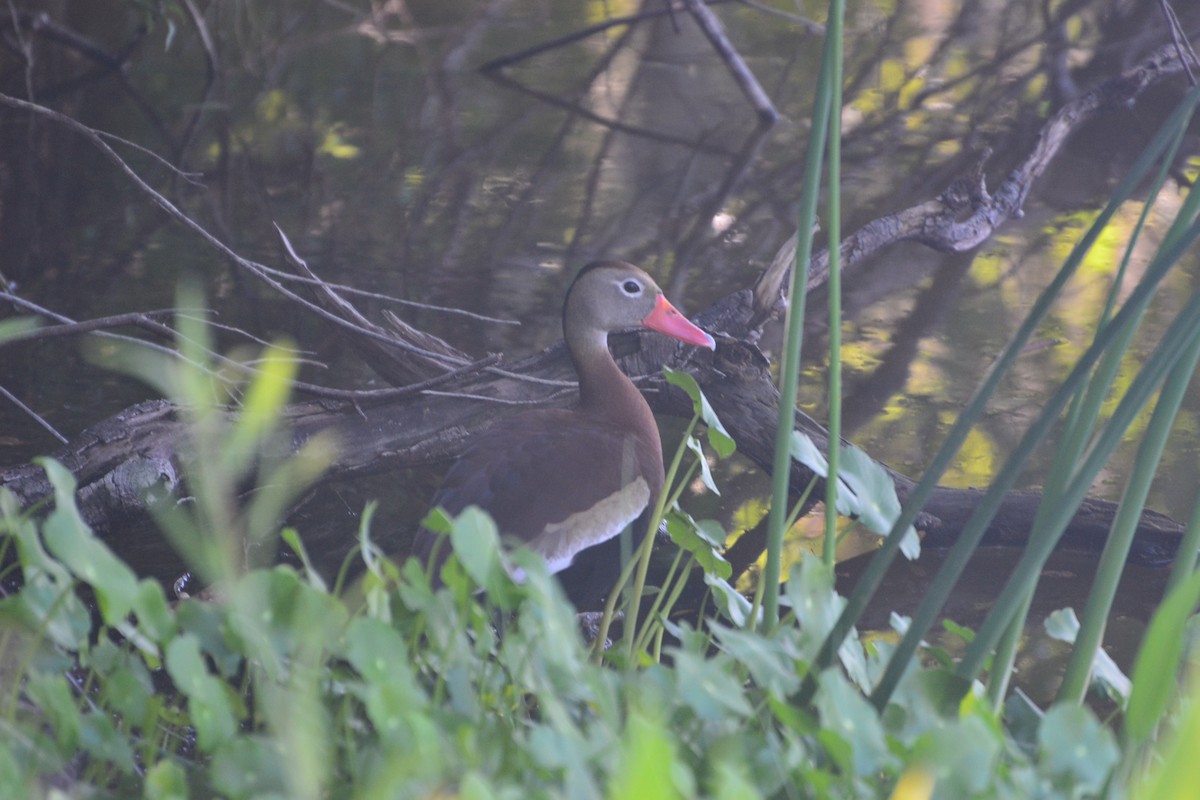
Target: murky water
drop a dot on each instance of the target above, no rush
(395, 166)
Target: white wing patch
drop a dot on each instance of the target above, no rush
(559, 543)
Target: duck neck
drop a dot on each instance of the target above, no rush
(606, 392)
(604, 389)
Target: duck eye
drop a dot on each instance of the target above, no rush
(631, 287)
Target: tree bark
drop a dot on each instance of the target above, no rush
(139, 456)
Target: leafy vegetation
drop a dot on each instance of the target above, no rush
(285, 684)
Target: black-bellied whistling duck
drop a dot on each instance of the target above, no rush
(561, 481)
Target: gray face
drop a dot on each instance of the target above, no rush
(611, 297)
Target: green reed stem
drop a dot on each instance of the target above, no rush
(643, 560)
(1177, 342)
(833, 456)
(797, 297)
(1081, 422)
(1124, 526)
(872, 577)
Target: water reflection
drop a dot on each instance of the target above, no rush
(394, 165)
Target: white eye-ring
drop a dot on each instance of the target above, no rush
(631, 287)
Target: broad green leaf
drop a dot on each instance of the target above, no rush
(251, 767)
(19, 781)
(876, 504)
(278, 616)
(476, 542)
(100, 738)
(731, 781)
(705, 471)
(70, 540)
(389, 690)
(848, 715)
(650, 766)
(805, 450)
(207, 623)
(1158, 660)
(770, 661)
(1064, 626)
(155, 617)
(865, 490)
(691, 537)
(474, 786)
(961, 758)
(718, 438)
(707, 686)
(1022, 718)
(53, 697)
(208, 705)
(1076, 749)
(128, 691)
(166, 780)
(729, 600)
(46, 604)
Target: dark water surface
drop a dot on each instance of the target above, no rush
(395, 166)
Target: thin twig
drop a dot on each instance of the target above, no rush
(715, 32)
(190, 177)
(815, 28)
(205, 316)
(600, 119)
(497, 400)
(68, 326)
(1187, 56)
(257, 270)
(669, 8)
(386, 298)
(36, 416)
(136, 318)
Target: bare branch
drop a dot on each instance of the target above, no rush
(16, 401)
(257, 270)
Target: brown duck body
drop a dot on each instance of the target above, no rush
(566, 481)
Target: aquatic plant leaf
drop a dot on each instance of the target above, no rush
(209, 706)
(166, 780)
(865, 490)
(769, 660)
(100, 737)
(706, 477)
(650, 767)
(1075, 749)
(51, 606)
(476, 542)
(701, 540)
(1064, 626)
(1022, 717)
(72, 542)
(389, 689)
(251, 767)
(732, 603)
(709, 689)
(52, 695)
(846, 714)
(718, 438)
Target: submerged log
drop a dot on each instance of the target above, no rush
(139, 456)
